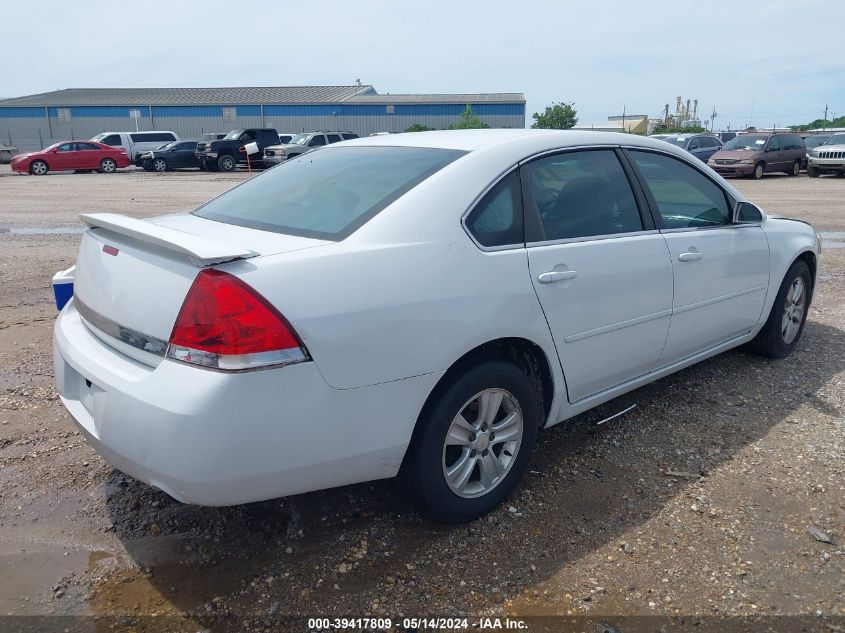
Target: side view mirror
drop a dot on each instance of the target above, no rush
(747, 213)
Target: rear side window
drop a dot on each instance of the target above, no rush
(349, 135)
(327, 194)
(86, 146)
(685, 197)
(334, 138)
(317, 139)
(152, 137)
(113, 140)
(582, 194)
(497, 219)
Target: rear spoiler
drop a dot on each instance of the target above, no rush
(200, 250)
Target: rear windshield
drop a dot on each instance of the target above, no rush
(328, 193)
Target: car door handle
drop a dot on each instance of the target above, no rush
(690, 257)
(556, 275)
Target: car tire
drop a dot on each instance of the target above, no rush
(796, 169)
(812, 172)
(38, 168)
(759, 170)
(226, 163)
(201, 165)
(486, 467)
(785, 324)
(107, 166)
(159, 164)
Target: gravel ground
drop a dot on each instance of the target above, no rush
(721, 494)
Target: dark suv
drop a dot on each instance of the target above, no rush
(760, 153)
(226, 153)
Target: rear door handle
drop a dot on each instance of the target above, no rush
(556, 275)
(690, 257)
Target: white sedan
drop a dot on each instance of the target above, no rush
(414, 304)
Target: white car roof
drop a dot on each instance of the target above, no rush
(469, 140)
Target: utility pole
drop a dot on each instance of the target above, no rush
(712, 118)
(623, 119)
(825, 118)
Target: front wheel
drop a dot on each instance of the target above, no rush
(107, 166)
(473, 442)
(786, 321)
(159, 164)
(226, 163)
(812, 172)
(759, 170)
(38, 168)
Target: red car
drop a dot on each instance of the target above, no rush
(75, 155)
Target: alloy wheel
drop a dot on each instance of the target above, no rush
(793, 312)
(107, 165)
(159, 164)
(482, 443)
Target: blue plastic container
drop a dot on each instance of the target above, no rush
(63, 287)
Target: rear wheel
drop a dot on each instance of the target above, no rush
(107, 166)
(812, 172)
(226, 163)
(759, 170)
(473, 442)
(38, 168)
(796, 168)
(159, 164)
(786, 321)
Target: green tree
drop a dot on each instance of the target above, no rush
(468, 121)
(558, 116)
(419, 127)
(676, 129)
(820, 124)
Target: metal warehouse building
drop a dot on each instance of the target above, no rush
(36, 121)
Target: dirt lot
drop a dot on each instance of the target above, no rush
(599, 527)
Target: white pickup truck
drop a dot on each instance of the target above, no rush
(136, 143)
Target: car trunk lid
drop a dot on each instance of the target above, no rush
(132, 275)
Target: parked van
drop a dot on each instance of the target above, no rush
(760, 153)
(136, 143)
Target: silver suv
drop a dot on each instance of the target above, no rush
(828, 158)
(302, 143)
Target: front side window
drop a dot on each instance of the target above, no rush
(694, 144)
(327, 194)
(497, 219)
(774, 144)
(582, 194)
(67, 147)
(685, 198)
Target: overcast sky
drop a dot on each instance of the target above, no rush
(772, 63)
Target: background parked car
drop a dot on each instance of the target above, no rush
(302, 143)
(225, 154)
(760, 153)
(702, 146)
(135, 143)
(71, 155)
(828, 158)
(6, 153)
(175, 155)
(285, 137)
(814, 140)
(211, 136)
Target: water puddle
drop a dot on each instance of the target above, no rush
(58, 230)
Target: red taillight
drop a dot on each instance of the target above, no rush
(225, 324)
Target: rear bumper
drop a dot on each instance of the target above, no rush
(215, 438)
